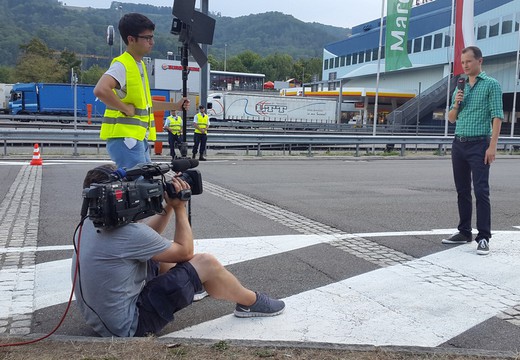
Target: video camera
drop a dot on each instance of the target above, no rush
(134, 194)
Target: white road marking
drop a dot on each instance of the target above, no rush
(56, 162)
(53, 279)
(424, 302)
(19, 211)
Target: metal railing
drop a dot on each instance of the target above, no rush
(258, 140)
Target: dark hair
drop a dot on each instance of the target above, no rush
(202, 107)
(98, 174)
(133, 24)
(476, 51)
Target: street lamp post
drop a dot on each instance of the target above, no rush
(74, 83)
(225, 57)
(120, 8)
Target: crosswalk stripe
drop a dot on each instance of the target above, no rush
(424, 302)
(407, 302)
(53, 281)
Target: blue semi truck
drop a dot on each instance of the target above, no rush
(54, 99)
(58, 99)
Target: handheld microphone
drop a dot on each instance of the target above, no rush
(461, 84)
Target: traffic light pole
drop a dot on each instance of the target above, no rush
(185, 72)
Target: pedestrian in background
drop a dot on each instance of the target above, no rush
(200, 136)
(173, 125)
(477, 111)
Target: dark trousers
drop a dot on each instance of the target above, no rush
(199, 139)
(173, 141)
(468, 164)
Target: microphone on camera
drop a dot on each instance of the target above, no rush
(181, 165)
(148, 170)
(461, 84)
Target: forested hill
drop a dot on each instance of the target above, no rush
(83, 31)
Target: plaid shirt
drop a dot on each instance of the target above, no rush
(482, 103)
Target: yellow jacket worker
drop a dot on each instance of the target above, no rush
(173, 125)
(128, 121)
(200, 136)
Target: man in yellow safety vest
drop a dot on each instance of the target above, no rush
(128, 122)
(200, 136)
(173, 125)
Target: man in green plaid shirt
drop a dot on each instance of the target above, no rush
(478, 112)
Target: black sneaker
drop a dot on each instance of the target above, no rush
(483, 247)
(264, 306)
(457, 238)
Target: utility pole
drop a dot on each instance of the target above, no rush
(204, 81)
(74, 84)
(120, 8)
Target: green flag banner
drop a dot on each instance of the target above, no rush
(396, 45)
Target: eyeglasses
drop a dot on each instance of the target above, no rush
(146, 37)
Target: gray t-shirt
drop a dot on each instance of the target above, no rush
(113, 272)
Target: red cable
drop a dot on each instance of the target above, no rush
(68, 304)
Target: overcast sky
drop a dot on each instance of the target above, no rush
(344, 13)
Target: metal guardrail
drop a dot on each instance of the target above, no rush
(255, 126)
(258, 140)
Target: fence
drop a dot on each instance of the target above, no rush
(258, 140)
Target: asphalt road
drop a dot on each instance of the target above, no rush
(291, 198)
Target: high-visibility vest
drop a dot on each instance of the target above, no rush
(117, 124)
(175, 124)
(202, 121)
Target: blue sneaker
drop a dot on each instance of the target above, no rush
(264, 306)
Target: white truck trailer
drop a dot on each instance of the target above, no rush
(257, 107)
(5, 95)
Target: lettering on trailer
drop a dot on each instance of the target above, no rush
(178, 67)
(266, 108)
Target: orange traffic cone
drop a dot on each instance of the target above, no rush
(36, 159)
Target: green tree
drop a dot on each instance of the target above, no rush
(250, 60)
(6, 74)
(92, 75)
(69, 61)
(36, 46)
(37, 63)
(277, 67)
(235, 64)
(305, 69)
(37, 68)
(214, 63)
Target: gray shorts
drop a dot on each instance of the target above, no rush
(165, 294)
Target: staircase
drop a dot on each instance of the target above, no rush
(429, 100)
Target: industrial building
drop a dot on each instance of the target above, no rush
(352, 64)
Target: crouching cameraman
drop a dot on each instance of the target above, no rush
(131, 280)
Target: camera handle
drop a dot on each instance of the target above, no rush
(183, 195)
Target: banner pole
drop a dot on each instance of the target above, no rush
(450, 58)
(513, 114)
(378, 69)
